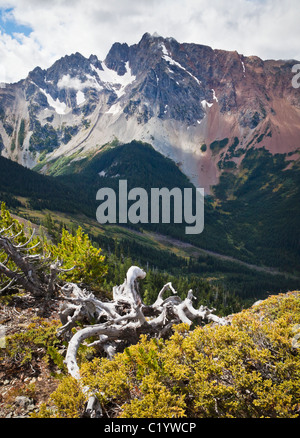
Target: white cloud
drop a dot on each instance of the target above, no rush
(67, 82)
(266, 28)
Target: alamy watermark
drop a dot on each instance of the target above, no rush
(187, 206)
(296, 78)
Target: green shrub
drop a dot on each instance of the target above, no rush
(68, 407)
(73, 250)
(38, 339)
(217, 145)
(77, 250)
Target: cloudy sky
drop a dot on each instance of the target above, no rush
(38, 32)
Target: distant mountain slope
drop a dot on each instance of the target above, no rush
(181, 98)
(252, 216)
(137, 163)
(41, 191)
(260, 204)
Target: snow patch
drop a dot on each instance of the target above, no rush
(80, 97)
(244, 69)
(166, 56)
(114, 109)
(214, 95)
(164, 50)
(111, 78)
(60, 107)
(205, 104)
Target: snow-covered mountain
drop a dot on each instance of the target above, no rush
(201, 107)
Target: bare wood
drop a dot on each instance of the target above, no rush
(120, 329)
(118, 322)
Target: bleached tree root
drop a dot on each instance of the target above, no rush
(124, 320)
(114, 324)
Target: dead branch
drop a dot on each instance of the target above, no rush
(26, 269)
(114, 324)
(124, 319)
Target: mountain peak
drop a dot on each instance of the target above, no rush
(156, 35)
(148, 37)
(117, 57)
(201, 107)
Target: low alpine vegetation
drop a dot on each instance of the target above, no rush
(247, 369)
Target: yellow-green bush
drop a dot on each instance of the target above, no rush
(248, 369)
(38, 339)
(73, 250)
(69, 401)
(77, 250)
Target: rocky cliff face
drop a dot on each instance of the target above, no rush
(201, 107)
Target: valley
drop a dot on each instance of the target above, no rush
(163, 114)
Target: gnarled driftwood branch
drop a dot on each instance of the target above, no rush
(124, 319)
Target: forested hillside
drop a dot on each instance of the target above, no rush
(40, 191)
(252, 216)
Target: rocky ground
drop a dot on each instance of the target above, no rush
(23, 387)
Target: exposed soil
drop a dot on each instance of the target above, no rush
(24, 387)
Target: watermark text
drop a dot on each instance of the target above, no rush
(187, 206)
(296, 78)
